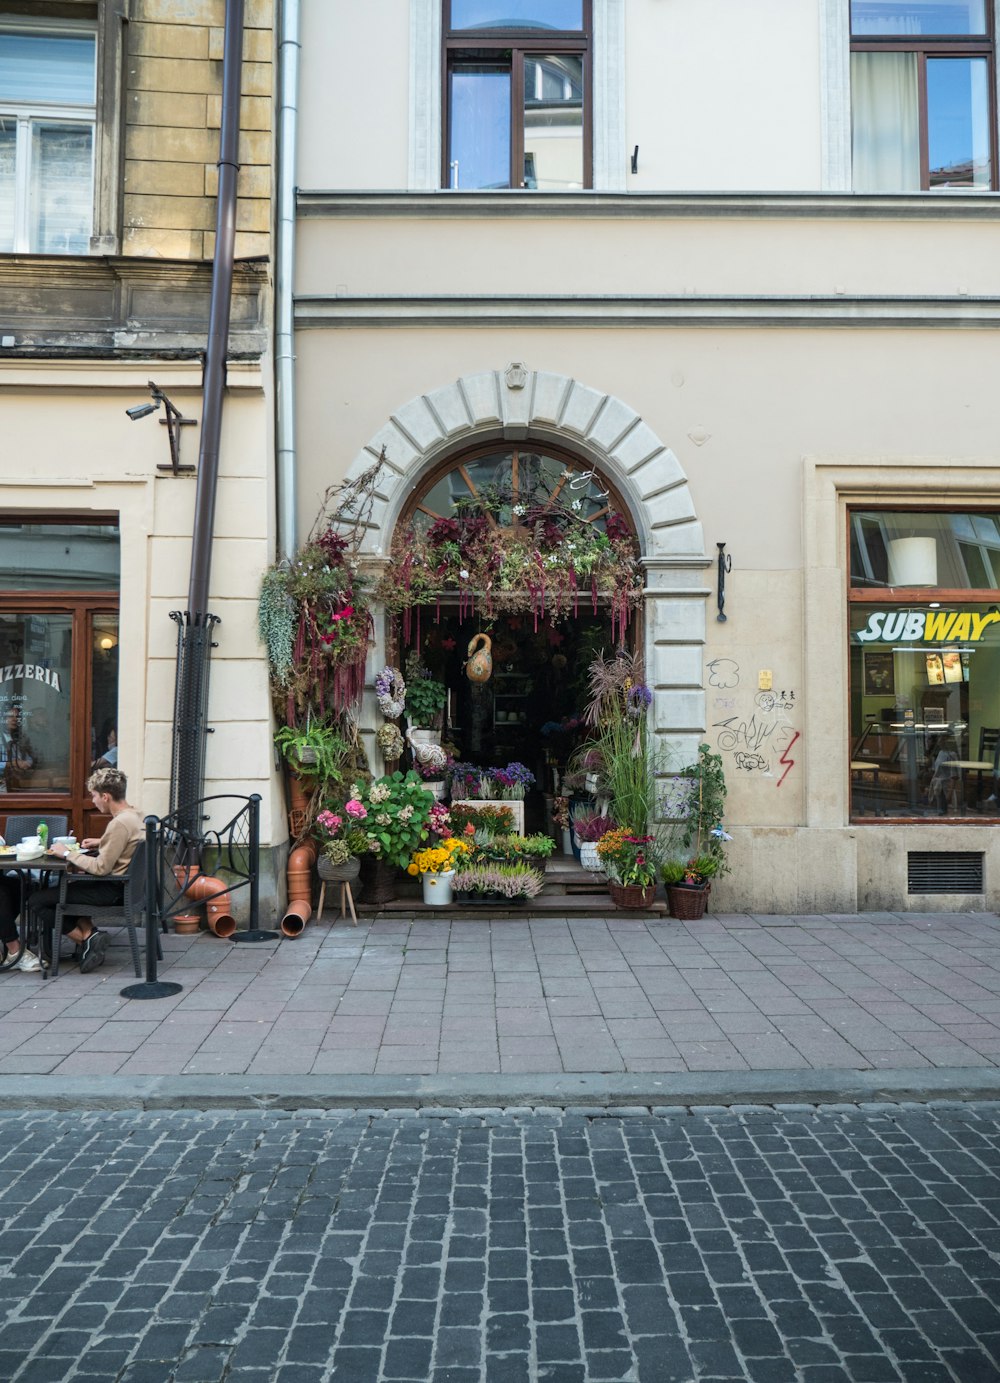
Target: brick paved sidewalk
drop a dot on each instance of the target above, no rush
(730, 993)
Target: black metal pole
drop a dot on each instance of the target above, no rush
(187, 776)
(151, 987)
(253, 932)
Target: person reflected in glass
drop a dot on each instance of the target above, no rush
(109, 755)
(105, 867)
(17, 757)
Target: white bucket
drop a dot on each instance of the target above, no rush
(437, 888)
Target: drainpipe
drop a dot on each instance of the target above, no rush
(288, 87)
(195, 624)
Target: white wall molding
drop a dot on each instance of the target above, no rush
(424, 164)
(608, 61)
(835, 94)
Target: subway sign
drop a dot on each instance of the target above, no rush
(926, 626)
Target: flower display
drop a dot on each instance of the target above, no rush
(510, 783)
(629, 859)
(437, 859)
(314, 619)
(498, 820)
(395, 812)
(390, 740)
(505, 882)
(560, 813)
(339, 837)
(390, 690)
(439, 820)
(546, 563)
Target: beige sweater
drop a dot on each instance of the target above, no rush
(121, 835)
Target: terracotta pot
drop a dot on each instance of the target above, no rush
(687, 903)
(632, 895)
(299, 910)
(186, 923)
(299, 792)
(207, 889)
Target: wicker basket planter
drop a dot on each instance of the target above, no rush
(344, 873)
(687, 903)
(632, 895)
(379, 880)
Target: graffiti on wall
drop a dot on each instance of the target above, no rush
(756, 730)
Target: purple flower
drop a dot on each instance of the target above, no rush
(638, 700)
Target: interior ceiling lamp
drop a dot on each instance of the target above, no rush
(173, 422)
(913, 562)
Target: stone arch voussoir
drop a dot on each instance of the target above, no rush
(484, 407)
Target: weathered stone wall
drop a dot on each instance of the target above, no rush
(173, 112)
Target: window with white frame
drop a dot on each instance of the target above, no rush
(47, 121)
(922, 105)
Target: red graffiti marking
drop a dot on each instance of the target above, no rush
(785, 760)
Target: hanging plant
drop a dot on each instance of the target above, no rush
(546, 565)
(314, 618)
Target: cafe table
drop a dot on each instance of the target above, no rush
(24, 869)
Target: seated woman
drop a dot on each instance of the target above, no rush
(105, 869)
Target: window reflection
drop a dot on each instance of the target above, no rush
(553, 122)
(958, 130)
(104, 691)
(479, 154)
(35, 668)
(517, 14)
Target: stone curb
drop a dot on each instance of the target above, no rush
(300, 1092)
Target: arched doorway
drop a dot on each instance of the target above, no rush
(527, 547)
(553, 413)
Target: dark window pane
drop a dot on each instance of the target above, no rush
(958, 130)
(35, 662)
(479, 101)
(517, 14)
(45, 557)
(104, 691)
(8, 183)
(905, 18)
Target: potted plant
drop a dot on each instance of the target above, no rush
(631, 863)
(495, 883)
(482, 816)
(561, 822)
(341, 847)
(696, 803)
(471, 785)
(392, 813)
(590, 827)
(509, 849)
(315, 751)
(435, 867)
(425, 696)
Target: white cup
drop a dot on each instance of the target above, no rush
(31, 842)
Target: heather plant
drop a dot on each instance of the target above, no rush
(507, 881)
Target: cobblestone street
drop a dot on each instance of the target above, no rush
(788, 1245)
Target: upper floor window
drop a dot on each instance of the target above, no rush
(518, 94)
(921, 84)
(47, 116)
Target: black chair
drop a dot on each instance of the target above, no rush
(16, 829)
(130, 912)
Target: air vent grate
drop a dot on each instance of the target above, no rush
(944, 871)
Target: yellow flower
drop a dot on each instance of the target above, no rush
(412, 869)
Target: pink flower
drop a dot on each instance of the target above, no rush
(356, 809)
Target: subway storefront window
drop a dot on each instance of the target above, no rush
(924, 653)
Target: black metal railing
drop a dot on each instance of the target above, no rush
(177, 857)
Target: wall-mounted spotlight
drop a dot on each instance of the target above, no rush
(173, 422)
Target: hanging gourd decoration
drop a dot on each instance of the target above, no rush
(479, 667)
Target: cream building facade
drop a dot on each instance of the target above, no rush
(110, 113)
(754, 348)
